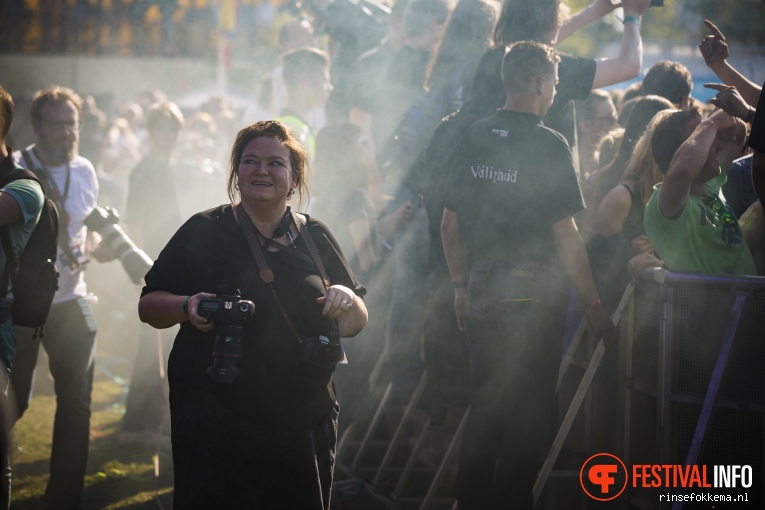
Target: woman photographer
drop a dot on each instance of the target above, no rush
(267, 439)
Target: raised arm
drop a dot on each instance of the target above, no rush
(628, 63)
(690, 159)
(596, 10)
(455, 259)
(715, 51)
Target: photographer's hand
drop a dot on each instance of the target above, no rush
(104, 253)
(337, 301)
(196, 320)
(341, 303)
(162, 309)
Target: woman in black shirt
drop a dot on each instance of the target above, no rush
(267, 439)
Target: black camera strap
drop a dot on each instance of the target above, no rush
(267, 275)
(300, 222)
(58, 200)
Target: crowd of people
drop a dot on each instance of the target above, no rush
(455, 182)
(134, 27)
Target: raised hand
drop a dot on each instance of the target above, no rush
(635, 7)
(729, 100)
(713, 47)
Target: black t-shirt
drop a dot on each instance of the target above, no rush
(511, 179)
(152, 204)
(429, 178)
(388, 84)
(275, 388)
(575, 77)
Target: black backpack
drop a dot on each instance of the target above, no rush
(33, 273)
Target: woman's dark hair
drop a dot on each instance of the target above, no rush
(669, 135)
(586, 108)
(6, 112)
(634, 91)
(277, 130)
(528, 20)
(644, 110)
(421, 14)
(467, 33)
(642, 171)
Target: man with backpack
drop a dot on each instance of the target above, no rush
(69, 180)
(21, 201)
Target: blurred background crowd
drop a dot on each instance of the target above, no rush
(395, 69)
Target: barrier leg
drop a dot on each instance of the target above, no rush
(373, 425)
(710, 400)
(412, 461)
(576, 402)
(451, 451)
(408, 412)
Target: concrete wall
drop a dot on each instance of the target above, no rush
(118, 77)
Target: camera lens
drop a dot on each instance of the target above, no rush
(332, 355)
(244, 307)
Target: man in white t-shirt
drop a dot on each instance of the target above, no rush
(70, 331)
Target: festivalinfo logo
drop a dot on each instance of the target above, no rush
(604, 476)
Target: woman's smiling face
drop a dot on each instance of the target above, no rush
(265, 173)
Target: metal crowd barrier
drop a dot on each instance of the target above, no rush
(690, 379)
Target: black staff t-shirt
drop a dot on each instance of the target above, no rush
(511, 180)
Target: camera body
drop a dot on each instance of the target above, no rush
(230, 313)
(321, 352)
(231, 309)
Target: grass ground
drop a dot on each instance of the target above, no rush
(117, 477)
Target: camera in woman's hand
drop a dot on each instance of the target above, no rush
(229, 314)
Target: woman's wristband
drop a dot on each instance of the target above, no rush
(630, 18)
(185, 306)
(459, 284)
